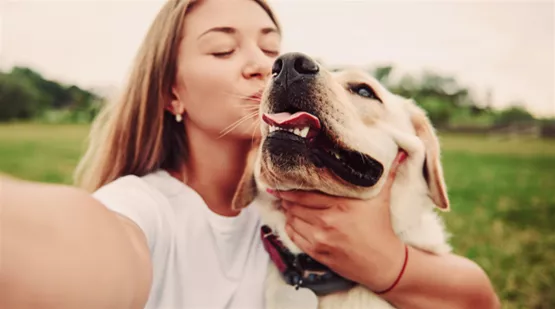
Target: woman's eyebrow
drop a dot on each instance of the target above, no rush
(269, 30)
(228, 30)
(231, 30)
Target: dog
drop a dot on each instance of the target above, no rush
(339, 133)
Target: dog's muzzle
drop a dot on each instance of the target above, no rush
(298, 128)
(301, 270)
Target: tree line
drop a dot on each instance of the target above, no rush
(450, 104)
(25, 95)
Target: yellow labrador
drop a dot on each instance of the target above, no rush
(338, 133)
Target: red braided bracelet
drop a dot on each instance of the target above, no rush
(400, 274)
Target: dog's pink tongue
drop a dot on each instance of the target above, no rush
(297, 119)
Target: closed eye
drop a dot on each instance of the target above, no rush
(223, 54)
(271, 53)
(364, 91)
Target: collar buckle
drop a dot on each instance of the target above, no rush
(301, 270)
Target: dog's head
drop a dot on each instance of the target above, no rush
(338, 133)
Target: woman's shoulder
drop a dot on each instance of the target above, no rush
(132, 187)
(128, 187)
(138, 198)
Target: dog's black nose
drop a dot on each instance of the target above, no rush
(291, 66)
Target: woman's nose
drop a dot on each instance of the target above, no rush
(259, 66)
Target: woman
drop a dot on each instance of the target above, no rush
(164, 163)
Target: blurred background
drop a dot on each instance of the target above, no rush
(484, 71)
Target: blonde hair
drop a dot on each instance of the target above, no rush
(135, 135)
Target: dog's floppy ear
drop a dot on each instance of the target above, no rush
(433, 171)
(246, 190)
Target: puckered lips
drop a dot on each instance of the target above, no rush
(301, 127)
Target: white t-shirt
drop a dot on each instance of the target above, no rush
(201, 260)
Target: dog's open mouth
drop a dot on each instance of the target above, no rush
(301, 127)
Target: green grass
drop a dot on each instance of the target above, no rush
(503, 210)
(41, 152)
(501, 193)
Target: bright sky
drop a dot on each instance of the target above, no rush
(505, 46)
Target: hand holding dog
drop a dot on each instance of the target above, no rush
(329, 229)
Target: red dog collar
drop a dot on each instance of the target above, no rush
(301, 270)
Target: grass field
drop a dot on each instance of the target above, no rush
(501, 191)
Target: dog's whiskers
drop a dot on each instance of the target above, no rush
(237, 123)
(249, 108)
(256, 126)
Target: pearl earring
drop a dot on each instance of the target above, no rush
(178, 117)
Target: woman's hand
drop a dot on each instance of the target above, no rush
(352, 237)
(356, 240)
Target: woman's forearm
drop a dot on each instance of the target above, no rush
(60, 248)
(442, 281)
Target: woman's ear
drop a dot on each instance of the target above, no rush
(176, 106)
(246, 189)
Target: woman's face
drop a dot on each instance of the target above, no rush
(225, 57)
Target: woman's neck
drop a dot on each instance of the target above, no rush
(214, 168)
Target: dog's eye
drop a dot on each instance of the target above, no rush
(364, 91)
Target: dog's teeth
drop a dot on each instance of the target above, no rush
(304, 132)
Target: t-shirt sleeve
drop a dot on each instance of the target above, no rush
(131, 197)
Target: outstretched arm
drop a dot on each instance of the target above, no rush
(60, 248)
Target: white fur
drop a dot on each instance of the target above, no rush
(413, 214)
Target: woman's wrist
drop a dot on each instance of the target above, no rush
(388, 267)
(405, 274)
(399, 276)
(441, 281)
